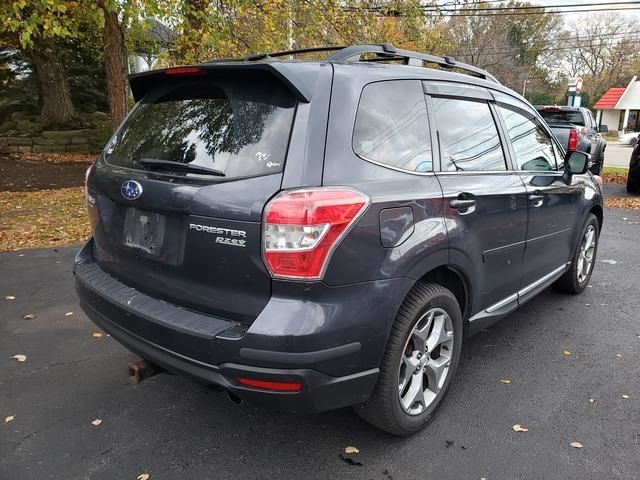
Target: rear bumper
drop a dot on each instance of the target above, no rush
(298, 346)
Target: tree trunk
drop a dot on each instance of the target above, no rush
(115, 55)
(53, 85)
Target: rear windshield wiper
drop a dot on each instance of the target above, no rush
(185, 167)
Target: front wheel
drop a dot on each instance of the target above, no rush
(575, 280)
(419, 362)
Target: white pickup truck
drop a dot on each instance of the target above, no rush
(576, 129)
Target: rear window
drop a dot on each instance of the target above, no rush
(239, 127)
(562, 117)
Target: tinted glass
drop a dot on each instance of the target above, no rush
(531, 144)
(392, 126)
(562, 117)
(231, 126)
(468, 134)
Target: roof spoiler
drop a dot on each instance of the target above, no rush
(141, 83)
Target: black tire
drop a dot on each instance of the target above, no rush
(383, 409)
(598, 162)
(569, 282)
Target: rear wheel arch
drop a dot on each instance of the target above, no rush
(599, 213)
(454, 280)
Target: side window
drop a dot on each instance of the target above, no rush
(532, 145)
(392, 127)
(468, 135)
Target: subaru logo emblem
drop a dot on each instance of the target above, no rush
(131, 189)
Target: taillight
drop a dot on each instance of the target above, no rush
(87, 196)
(573, 141)
(303, 227)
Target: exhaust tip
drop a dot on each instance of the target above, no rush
(233, 397)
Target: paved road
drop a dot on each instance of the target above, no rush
(617, 155)
(175, 429)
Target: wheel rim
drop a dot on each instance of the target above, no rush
(585, 256)
(425, 361)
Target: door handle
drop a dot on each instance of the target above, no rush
(464, 206)
(536, 200)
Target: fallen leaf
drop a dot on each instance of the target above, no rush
(29, 316)
(96, 422)
(576, 444)
(96, 335)
(519, 428)
(68, 314)
(626, 397)
(566, 353)
(9, 297)
(506, 382)
(9, 419)
(351, 450)
(20, 358)
(143, 476)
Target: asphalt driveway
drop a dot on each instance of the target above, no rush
(172, 428)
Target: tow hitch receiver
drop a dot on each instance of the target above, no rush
(141, 370)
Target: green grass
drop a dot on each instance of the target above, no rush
(615, 170)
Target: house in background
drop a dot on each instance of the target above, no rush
(619, 108)
(150, 40)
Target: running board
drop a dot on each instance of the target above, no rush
(522, 296)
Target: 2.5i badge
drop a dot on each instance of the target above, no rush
(225, 236)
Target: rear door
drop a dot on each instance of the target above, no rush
(485, 201)
(553, 205)
(187, 236)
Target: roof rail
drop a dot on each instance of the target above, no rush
(384, 51)
(389, 52)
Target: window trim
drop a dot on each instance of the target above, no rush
(428, 136)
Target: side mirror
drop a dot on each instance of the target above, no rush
(603, 129)
(575, 163)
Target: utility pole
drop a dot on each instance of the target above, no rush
(524, 86)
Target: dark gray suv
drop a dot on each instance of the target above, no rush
(314, 235)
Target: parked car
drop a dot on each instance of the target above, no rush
(314, 235)
(576, 129)
(633, 177)
(630, 138)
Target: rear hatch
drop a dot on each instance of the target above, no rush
(179, 191)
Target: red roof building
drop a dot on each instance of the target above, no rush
(609, 100)
(619, 108)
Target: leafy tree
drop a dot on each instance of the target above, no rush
(36, 27)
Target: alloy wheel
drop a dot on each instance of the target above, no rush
(585, 256)
(425, 361)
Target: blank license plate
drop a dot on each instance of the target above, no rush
(144, 230)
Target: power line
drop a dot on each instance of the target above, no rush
(563, 12)
(536, 12)
(517, 7)
(513, 53)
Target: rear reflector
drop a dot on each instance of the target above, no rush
(553, 109)
(303, 227)
(266, 385)
(183, 71)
